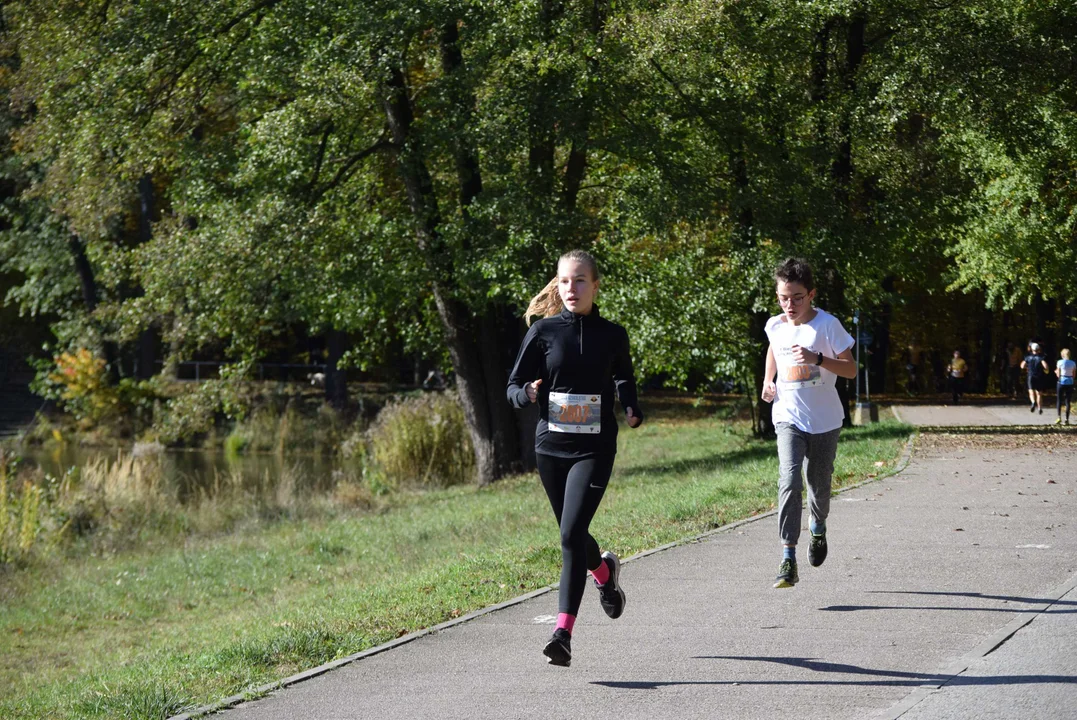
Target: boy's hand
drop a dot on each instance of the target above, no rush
(769, 391)
(531, 389)
(633, 421)
(804, 357)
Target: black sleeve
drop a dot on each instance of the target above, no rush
(624, 379)
(526, 369)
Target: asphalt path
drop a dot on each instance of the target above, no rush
(948, 593)
(995, 415)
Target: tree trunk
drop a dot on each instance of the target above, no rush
(763, 425)
(880, 360)
(336, 380)
(88, 283)
(986, 349)
(481, 389)
(147, 339)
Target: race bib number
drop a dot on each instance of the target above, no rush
(575, 413)
(801, 376)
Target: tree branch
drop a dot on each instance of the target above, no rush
(319, 158)
(344, 172)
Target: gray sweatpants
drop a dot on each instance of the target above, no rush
(794, 446)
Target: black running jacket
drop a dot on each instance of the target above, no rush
(578, 354)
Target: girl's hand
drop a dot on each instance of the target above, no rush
(770, 390)
(633, 421)
(531, 389)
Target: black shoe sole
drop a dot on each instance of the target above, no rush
(557, 654)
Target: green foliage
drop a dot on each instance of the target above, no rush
(421, 441)
(690, 143)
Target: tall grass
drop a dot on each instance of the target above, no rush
(20, 510)
(272, 430)
(421, 441)
(116, 503)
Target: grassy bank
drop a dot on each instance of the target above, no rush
(144, 634)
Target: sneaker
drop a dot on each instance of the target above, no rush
(1058, 421)
(558, 650)
(610, 595)
(1041, 411)
(817, 549)
(787, 574)
(1032, 409)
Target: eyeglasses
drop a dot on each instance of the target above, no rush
(795, 301)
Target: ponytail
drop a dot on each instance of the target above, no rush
(548, 302)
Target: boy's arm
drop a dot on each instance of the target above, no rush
(844, 365)
(771, 369)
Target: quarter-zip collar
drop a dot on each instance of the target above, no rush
(578, 320)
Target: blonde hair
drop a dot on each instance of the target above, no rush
(1066, 353)
(548, 302)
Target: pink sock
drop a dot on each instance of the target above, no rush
(601, 573)
(565, 621)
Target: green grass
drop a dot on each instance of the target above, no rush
(145, 634)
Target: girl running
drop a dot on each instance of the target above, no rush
(1066, 370)
(571, 363)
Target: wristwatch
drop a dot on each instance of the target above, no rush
(820, 360)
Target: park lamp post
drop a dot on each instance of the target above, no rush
(865, 412)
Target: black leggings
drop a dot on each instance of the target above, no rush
(1065, 392)
(575, 488)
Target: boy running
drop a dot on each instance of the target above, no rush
(808, 349)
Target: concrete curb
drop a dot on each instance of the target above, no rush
(254, 693)
(985, 648)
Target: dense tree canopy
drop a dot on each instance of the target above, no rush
(384, 172)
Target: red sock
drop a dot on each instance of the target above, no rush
(565, 621)
(601, 573)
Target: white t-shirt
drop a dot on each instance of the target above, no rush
(1067, 369)
(807, 395)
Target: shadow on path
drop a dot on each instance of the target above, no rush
(1004, 598)
(894, 678)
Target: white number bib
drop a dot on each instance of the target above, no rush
(575, 413)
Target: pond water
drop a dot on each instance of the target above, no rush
(199, 473)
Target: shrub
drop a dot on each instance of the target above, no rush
(421, 441)
(80, 382)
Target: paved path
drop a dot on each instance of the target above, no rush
(963, 552)
(987, 415)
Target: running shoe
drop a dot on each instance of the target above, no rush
(558, 650)
(1058, 421)
(610, 595)
(817, 549)
(1041, 411)
(1032, 409)
(787, 574)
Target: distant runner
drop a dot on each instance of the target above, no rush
(1038, 371)
(572, 362)
(1066, 370)
(956, 371)
(808, 349)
